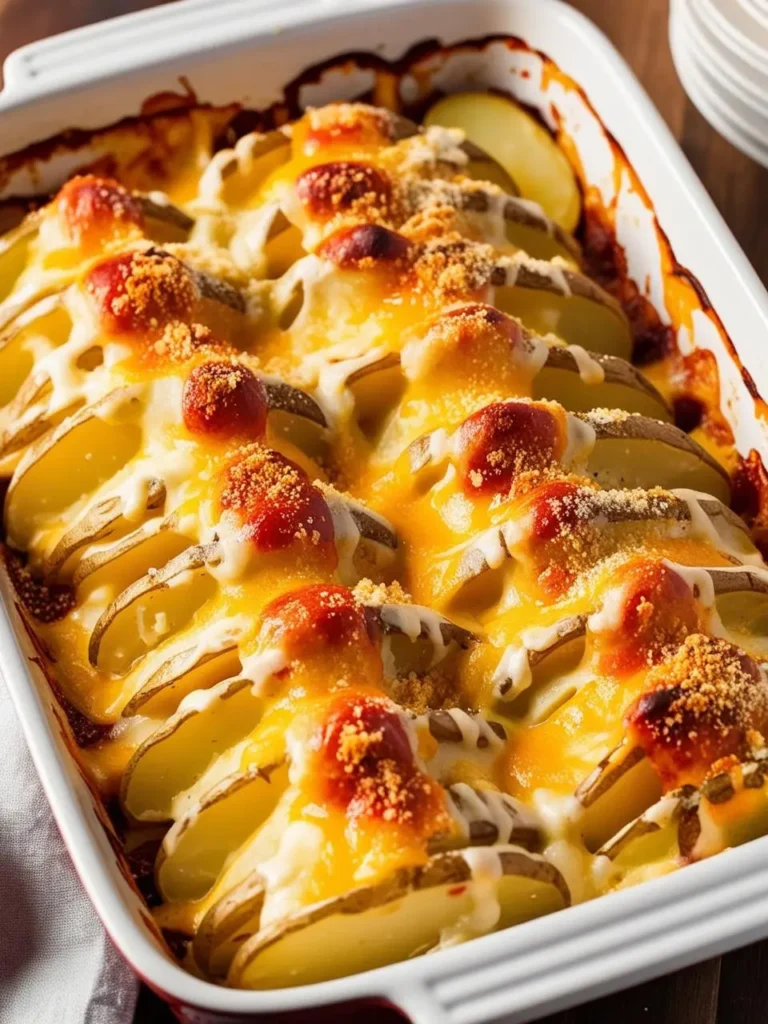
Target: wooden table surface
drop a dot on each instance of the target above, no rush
(732, 989)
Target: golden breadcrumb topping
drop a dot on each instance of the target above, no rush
(355, 743)
(350, 190)
(338, 122)
(607, 417)
(385, 787)
(713, 685)
(180, 342)
(256, 467)
(420, 692)
(216, 386)
(259, 483)
(452, 268)
(156, 288)
(374, 595)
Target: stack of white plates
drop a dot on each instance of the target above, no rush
(720, 50)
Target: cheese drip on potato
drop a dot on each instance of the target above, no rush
(375, 581)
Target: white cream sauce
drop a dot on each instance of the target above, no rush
(513, 673)
(590, 370)
(287, 874)
(485, 866)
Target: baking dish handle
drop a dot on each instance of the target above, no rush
(421, 1004)
(124, 43)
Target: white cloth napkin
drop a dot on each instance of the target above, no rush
(57, 964)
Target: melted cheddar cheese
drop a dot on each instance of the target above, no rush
(319, 518)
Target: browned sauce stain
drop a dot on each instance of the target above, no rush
(169, 101)
(81, 732)
(141, 861)
(157, 129)
(750, 497)
(606, 263)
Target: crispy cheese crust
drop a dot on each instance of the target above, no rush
(300, 530)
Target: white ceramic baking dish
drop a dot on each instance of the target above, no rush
(247, 50)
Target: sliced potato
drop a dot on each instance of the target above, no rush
(198, 845)
(544, 651)
(25, 297)
(529, 229)
(366, 542)
(650, 840)
(469, 745)
(284, 247)
(741, 580)
(730, 533)
(180, 674)
(22, 432)
(730, 808)
(372, 527)
(378, 387)
(164, 222)
(244, 168)
(526, 225)
(523, 147)
(99, 522)
(14, 252)
(488, 817)
(635, 451)
(622, 786)
(353, 520)
(232, 910)
(226, 926)
(553, 299)
(622, 387)
(608, 772)
(142, 598)
(42, 327)
(420, 623)
(742, 598)
(481, 165)
(376, 396)
(472, 562)
(407, 914)
(548, 682)
(483, 733)
(284, 397)
(28, 416)
(152, 543)
(75, 458)
(174, 592)
(178, 754)
(631, 451)
(416, 639)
